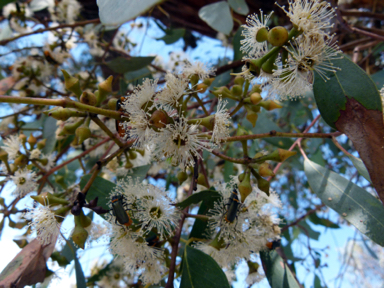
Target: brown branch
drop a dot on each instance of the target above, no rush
(318, 207)
(356, 13)
(42, 30)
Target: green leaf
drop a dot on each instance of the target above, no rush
(49, 130)
(122, 65)
(359, 165)
(217, 16)
(349, 82)
(317, 282)
(198, 197)
(322, 221)
(138, 75)
(117, 12)
(100, 188)
(277, 272)
(69, 252)
(201, 271)
(308, 231)
(200, 226)
(172, 35)
(239, 6)
(228, 167)
(356, 205)
(237, 54)
(378, 78)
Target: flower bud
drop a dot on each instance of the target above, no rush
(265, 170)
(41, 144)
(253, 267)
(241, 177)
(88, 98)
(84, 220)
(21, 160)
(49, 199)
(256, 98)
(222, 91)
(270, 105)
(269, 66)
(21, 243)
(59, 179)
(43, 161)
(72, 83)
(182, 176)
(32, 141)
(83, 133)
(112, 103)
(61, 260)
(60, 113)
(3, 155)
(256, 88)
(239, 80)
(218, 242)
(201, 180)
(208, 81)
(262, 35)
(70, 129)
(105, 88)
(128, 165)
(251, 116)
(132, 154)
(245, 187)
(201, 88)
(23, 138)
(236, 90)
(262, 184)
(254, 66)
(79, 235)
(159, 119)
(207, 122)
(194, 78)
(277, 36)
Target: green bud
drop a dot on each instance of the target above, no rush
(254, 66)
(112, 103)
(240, 131)
(245, 187)
(194, 79)
(105, 88)
(88, 98)
(202, 87)
(208, 81)
(32, 141)
(23, 138)
(241, 177)
(3, 155)
(262, 35)
(201, 180)
(237, 90)
(221, 92)
(72, 83)
(239, 81)
(79, 235)
(132, 155)
(41, 144)
(207, 122)
(47, 198)
(128, 165)
(218, 242)
(61, 260)
(253, 267)
(70, 129)
(21, 160)
(59, 179)
(265, 170)
(256, 88)
(251, 115)
(278, 36)
(85, 221)
(270, 105)
(262, 183)
(256, 98)
(60, 113)
(83, 133)
(182, 176)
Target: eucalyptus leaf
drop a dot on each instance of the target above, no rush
(122, 65)
(49, 130)
(198, 197)
(100, 188)
(356, 205)
(277, 272)
(217, 16)
(359, 165)
(172, 35)
(378, 79)
(201, 271)
(117, 12)
(349, 82)
(239, 6)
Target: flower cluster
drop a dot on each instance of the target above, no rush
(240, 230)
(307, 48)
(152, 219)
(157, 118)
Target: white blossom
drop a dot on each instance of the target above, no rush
(250, 45)
(221, 123)
(12, 146)
(312, 17)
(175, 89)
(25, 181)
(65, 11)
(197, 68)
(43, 221)
(181, 142)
